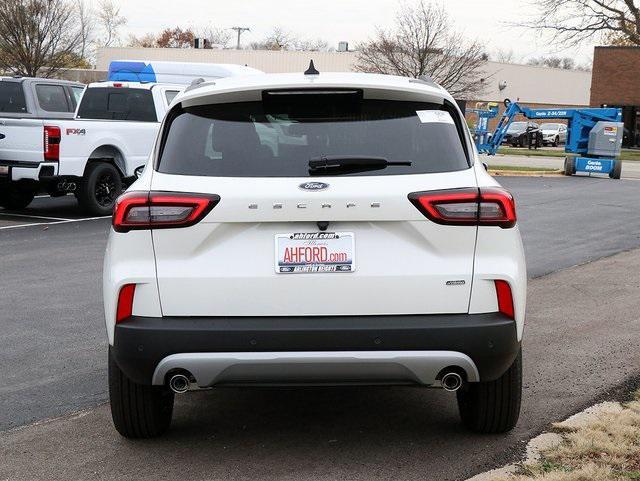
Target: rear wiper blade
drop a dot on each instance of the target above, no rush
(328, 163)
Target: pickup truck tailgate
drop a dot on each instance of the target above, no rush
(21, 140)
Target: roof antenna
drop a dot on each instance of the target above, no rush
(311, 70)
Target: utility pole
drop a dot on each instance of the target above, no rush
(240, 30)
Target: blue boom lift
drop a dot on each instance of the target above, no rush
(594, 135)
(484, 112)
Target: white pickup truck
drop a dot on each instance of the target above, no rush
(95, 156)
(112, 135)
(28, 105)
(92, 156)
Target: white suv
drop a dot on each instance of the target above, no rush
(314, 229)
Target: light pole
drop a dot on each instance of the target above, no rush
(240, 30)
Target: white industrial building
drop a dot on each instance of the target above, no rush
(523, 83)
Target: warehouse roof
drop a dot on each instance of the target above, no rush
(523, 83)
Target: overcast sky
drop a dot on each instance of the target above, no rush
(350, 20)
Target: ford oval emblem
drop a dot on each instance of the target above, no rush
(313, 186)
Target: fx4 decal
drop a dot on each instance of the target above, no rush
(76, 132)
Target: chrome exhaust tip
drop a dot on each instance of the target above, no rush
(451, 381)
(179, 383)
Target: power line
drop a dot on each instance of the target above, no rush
(240, 30)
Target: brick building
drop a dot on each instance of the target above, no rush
(616, 83)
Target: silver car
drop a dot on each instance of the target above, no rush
(553, 134)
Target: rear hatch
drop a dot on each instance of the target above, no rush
(284, 240)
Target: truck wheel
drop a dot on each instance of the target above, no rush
(616, 172)
(493, 406)
(16, 197)
(569, 166)
(101, 186)
(137, 410)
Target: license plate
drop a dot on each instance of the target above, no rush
(4, 170)
(313, 252)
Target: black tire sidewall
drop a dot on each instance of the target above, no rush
(617, 170)
(569, 166)
(493, 406)
(16, 197)
(86, 193)
(137, 410)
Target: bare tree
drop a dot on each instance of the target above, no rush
(423, 42)
(39, 37)
(505, 56)
(86, 23)
(277, 39)
(110, 21)
(281, 39)
(215, 35)
(573, 21)
(566, 63)
(313, 45)
(148, 40)
(551, 62)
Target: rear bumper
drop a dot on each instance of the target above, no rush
(19, 170)
(487, 343)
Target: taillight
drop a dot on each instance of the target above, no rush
(125, 302)
(51, 143)
(157, 210)
(505, 298)
(467, 206)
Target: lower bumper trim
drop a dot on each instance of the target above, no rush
(363, 367)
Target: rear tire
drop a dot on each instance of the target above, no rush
(15, 197)
(616, 172)
(569, 166)
(493, 406)
(137, 410)
(99, 189)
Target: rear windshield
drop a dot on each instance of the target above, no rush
(118, 104)
(278, 138)
(12, 98)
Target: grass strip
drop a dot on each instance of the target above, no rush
(606, 448)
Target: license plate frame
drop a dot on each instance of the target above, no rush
(315, 256)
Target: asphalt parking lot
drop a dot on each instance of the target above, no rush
(53, 344)
(44, 211)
